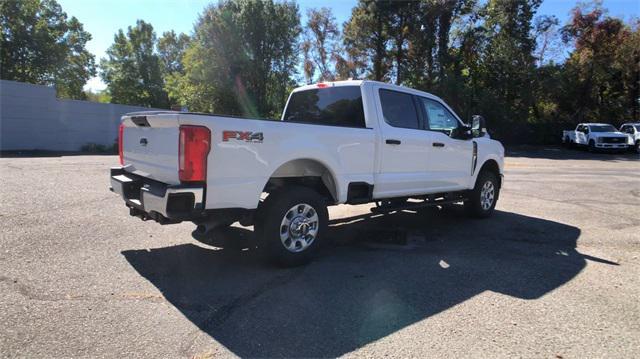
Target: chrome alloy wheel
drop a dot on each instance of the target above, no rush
(487, 195)
(299, 227)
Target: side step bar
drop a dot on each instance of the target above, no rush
(428, 201)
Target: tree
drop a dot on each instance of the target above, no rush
(101, 96)
(40, 45)
(549, 44)
(242, 58)
(508, 66)
(171, 48)
(366, 39)
(320, 45)
(604, 68)
(133, 70)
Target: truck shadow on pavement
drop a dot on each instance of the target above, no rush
(359, 291)
(563, 153)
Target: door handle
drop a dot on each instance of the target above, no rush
(393, 142)
(438, 144)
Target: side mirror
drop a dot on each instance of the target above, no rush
(478, 126)
(462, 133)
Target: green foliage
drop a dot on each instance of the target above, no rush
(241, 60)
(529, 76)
(496, 59)
(171, 48)
(41, 45)
(603, 69)
(133, 71)
(98, 96)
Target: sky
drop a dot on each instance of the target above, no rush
(103, 18)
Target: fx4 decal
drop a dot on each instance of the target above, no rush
(247, 136)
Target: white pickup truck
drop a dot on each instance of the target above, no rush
(595, 136)
(632, 130)
(347, 142)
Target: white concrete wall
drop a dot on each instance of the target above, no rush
(32, 118)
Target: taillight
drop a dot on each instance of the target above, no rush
(195, 142)
(120, 140)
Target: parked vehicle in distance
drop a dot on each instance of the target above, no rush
(595, 136)
(347, 142)
(632, 130)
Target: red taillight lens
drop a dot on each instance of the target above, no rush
(120, 140)
(195, 142)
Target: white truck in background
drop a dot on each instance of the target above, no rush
(595, 136)
(632, 130)
(347, 142)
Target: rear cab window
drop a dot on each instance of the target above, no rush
(331, 106)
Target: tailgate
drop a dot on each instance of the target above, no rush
(150, 145)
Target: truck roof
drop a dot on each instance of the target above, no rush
(364, 82)
(596, 124)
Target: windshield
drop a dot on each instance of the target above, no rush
(637, 127)
(602, 128)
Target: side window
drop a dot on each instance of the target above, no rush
(438, 117)
(580, 128)
(398, 109)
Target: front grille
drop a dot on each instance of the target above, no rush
(614, 140)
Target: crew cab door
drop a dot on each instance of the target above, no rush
(449, 160)
(582, 135)
(402, 147)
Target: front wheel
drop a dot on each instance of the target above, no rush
(482, 199)
(291, 224)
(636, 147)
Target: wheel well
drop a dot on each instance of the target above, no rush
(492, 166)
(304, 172)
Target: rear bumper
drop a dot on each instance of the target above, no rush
(149, 199)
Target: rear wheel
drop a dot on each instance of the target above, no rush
(636, 147)
(290, 225)
(482, 199)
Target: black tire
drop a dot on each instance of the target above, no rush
(475, 206)
(270, 227)
(592, 146)
(636, 147)
(567, 142)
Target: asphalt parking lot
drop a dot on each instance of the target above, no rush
(554, 274)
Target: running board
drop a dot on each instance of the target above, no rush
(431, 200)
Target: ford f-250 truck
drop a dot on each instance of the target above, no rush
(595, 136)
(347, 142)
(632, 130)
